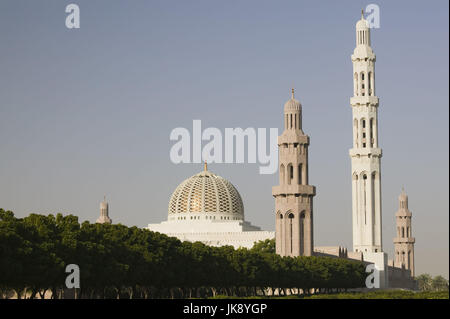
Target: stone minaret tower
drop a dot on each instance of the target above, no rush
(404, 242)
(293, 196)
(365, 154)
(104, 213)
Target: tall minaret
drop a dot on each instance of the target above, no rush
(104, 213)
(293, 196)
(404, 242)
(365, 154)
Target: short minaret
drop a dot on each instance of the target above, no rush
(365, 154)
(404, 242)
(293, 196)
(104, 213)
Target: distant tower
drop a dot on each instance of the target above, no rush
(404, 242)
(293, 196)
(104, 213)
(365, 154)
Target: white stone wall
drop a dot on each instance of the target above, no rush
(236, 239)
(202, 226)
(237, 233)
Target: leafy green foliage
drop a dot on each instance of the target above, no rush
(117, 261)
(379, 294)
(387, 294)
(428, 283)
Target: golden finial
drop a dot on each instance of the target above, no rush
(206, 166)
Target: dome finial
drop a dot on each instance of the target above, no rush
(292, 92)
(205, 166)
(362, 14)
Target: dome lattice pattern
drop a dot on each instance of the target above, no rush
(206, 192)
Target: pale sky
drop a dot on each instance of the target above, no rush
(88, 112)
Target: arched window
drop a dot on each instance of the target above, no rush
(369, 78)
(290, 173)
(300, 181)
(371, 132)
(362, 84)
(363, 130)
(302, 233)
(365, 197)
(291, 235)
(403, 232)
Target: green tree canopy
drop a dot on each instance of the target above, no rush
(117, 261)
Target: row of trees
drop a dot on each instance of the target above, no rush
(428, 283)
(117, 261)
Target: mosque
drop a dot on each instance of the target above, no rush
(208, 208)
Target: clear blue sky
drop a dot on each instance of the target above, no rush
(88, 112)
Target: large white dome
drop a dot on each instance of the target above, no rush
(209, 194)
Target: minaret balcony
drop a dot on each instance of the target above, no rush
(293, 189)
(365, 151)
(364, 100)
(404, 240)
(291, 137)
(403, 213)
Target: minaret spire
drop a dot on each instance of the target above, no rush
(365, 154)
(104, 212)
(404, 242)
(293, 195)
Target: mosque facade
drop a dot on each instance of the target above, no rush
(208, 208)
